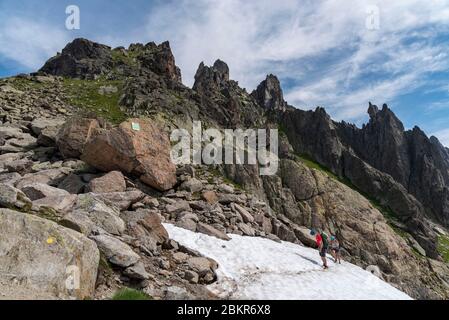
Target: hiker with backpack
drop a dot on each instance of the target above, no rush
(322, 242)
(335, 249)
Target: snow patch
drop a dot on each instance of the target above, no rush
(257, 268)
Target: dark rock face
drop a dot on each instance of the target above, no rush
(315, 134)
(416, 162)
(269, 94)
(384, 142)
(80, 59)
(429, 174)
(375, 159)
(159, 59)
(222, 100)
(86, 60)
(211, 78)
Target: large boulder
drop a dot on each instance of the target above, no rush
(110, 182)
(51, 177)
(42, 260)
(145, 226)
(36, 191)
(39, 124)
(103, 216)
(73, 184)
(10, 178)
(137, 147)
(11, 197)
(122, 200)
(74, 134)
(61, 203)
(211, 231)
(117, 252)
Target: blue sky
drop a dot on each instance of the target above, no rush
(333, 53)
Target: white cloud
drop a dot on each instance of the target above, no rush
(28, 42)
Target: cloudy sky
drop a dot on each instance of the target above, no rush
(338, 54)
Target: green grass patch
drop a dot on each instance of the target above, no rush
(85, 95)
(282, 130)
(24, 85)
(128, 59)
(443, 247)
(130, 294)
(312, 164)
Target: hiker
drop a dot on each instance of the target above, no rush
(335, 249)
(322, 243)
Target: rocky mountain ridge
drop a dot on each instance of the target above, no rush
(116, 185)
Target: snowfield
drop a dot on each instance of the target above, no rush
(257, 268)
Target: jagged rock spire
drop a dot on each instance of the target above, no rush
(209, 78)
(372, 110)
(269, 94)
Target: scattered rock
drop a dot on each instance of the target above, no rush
(110, 182)
(170, 245)
(192, 185)
(11, 197)
(102, 215)
(210, 197)
(211, 231)
(191, 276)
(205, 267)
(303, 235)
(226, 188)
(375, 270)
(122, 200)
(264, 222)
(10, 178)
(51, 177)
(72, 184)
(47, 137)
(153, 225)
(20, 166)
(78, 221)
(187, 223)
(137, 272)
(177, 293)
(117, 252)
(178, 207)
(39, 124)
(61, 203)
(246, 216)
(227, 199)
(36, 191)
(246, 229)
(180, 257)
